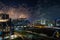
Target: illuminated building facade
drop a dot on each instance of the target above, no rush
(44, 21)
(21, 23)
(5, 25)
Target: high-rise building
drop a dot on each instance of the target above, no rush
(45, 22)
(21, 23)
(5, 25)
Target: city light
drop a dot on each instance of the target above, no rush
(30, 20)
(3, 20)
(23, 16)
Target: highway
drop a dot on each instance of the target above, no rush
(43, 33)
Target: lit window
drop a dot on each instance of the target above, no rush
(24, 26)
(21, 26)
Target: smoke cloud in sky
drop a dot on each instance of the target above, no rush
(32, 9)
(15, 12)
(22, 10)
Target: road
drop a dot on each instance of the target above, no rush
(36, 34)
(21, 36)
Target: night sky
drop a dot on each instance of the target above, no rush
(36, 9)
